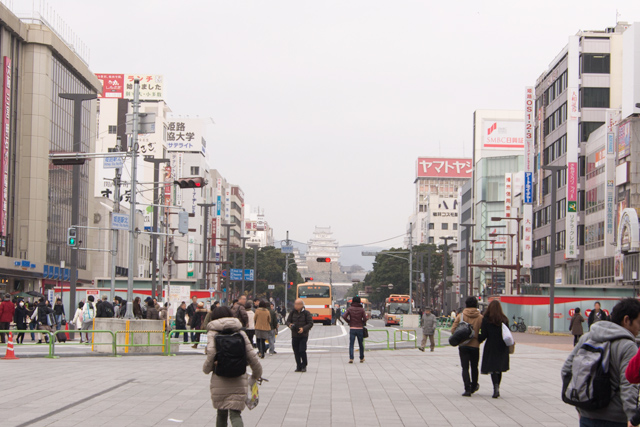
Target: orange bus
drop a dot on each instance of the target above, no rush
(394, 306)
(317, 299)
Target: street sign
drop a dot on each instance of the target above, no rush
(113, 163)
(236, 274)
(225, 273)
(119, 221)
(248, 274)
(271, 286)
(287, 249)
(212, 289)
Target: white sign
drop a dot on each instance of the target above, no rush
(119, 221)
(175, 295)
(529, 117)
(151, 86)
(527, 237)
(271, 286)
(113, 163)
(187, 135)
(502, 135)
(94, 292)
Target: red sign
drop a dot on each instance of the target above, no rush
(572, 176)
(167, 185)
(112, 85)
(434, 167)
(213, 232)
(4, 152)
(556, 315)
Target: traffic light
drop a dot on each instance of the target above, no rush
(323, 259)
(290, 285)
(72, 237)
(308, 279)
(196, 182)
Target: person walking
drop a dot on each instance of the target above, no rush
(88, 314)
(300, 321)
(238, 310)
(58, 313)
(228, 394)
(469, 351)
(428, 329)
(356, 317)
(273, 333)
(181, 322)
(575, 325)
(495, 355)
(197, 322)
(77, 318)
(263, 327)
(6, 316)
(596, 315)
(41, 315)
(20, 317)
(251, 323)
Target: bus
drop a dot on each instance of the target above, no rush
(365, 303)
(394, 306)
(317, 299)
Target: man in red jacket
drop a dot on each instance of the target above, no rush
(6, 315)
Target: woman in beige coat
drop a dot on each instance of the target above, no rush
(228, 394)
(263, 327)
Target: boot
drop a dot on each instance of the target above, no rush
(467, 390)
(496, 391)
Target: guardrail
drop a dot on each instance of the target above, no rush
(168, 342)
(402, 332)
(378, 342)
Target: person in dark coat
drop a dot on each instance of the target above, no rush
(575, 326)
(495, 357)
(197, 320)
(181, 322)
(300, 321)
(152, 311)
(356, 317)
(20, 317)
(597, 314)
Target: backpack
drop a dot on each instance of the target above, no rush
(230, 360)
(588, 385)
(108, 309)
(87, 315)
(463, 334)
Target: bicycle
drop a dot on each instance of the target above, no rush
(518, 326)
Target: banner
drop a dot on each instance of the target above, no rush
(4, 152)
(527, 237)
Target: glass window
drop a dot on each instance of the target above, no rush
(596, 63)
(113, 129)
(445, 225)
(586, 128)
(594, 97)
(455, 225)
(195, 170)
(432, 226)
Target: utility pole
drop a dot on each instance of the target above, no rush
(154, 237)
(205, 242)
(244, 241)
(445, 264)
(114, 233)
(469, 240)
(255, 269)
(429, 278)
(77, 99)
(411, 268)
(132, 207)
(286, 274)
(228, 227)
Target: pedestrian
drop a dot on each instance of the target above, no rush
(41, 315)
(256, 304)
(429, 322)
(88, 316)
(251, 323)
(239, 311)
(181, 322)
(596, 315)
(164, 316)
(495, 355)
(6, 316)
(575, 325)
(32, 324)
(356, 317)
(137, 308)
(620, 333)
(77, 318)
(469, 351)
(122, 303)
(273, 333)
(197, 322)
(191, 311)
(263, 327)
(20, 317)
(105, 309)
(58, 313)
(228, 394)
(300, 321)
(152, 311)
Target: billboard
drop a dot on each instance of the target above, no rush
(503, 135)
(527, 237)
(4, 151)
(529, 118)
(186, 135)
(508, 192)
(118, 86)
(624, 140)
(112, 85)
(435, 167)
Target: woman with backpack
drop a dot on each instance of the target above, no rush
(263, 327)
(495, 356)
(226, 362)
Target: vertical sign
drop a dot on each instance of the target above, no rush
(571, 224)
(191, 257)
(529, 113)
(214, 234)
(167, 185)
(508, 190)
(527, 237)
(4, 152)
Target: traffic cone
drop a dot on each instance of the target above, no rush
(10, 354)
(66, 328)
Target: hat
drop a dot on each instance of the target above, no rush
(7, 296)
(147, 299)
(427, 308)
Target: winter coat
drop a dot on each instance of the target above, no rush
(473, 317)
(6, 311)
(42, 311)
(593, 317)
(263, 319)
(429, 324)
(197, 319)
(20, 317)
(152, 313)
(77, 319)
(300, 319)
(229, 393)
(102, 309)
(495, 355)
(58, 310)
(181, 322)
(355, 316)
(622, 349)
(575, 325)
(137, 311)
(240, 312)
(274, 319)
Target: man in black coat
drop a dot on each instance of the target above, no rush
(104, 308)
(597, 314)
(181, 322)
(300, 321)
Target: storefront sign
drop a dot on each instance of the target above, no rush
(508, 191)
(624, 140)
(527, 237)
(433, 167)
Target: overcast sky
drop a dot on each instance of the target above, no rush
(322, 107)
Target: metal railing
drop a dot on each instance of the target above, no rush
(409, 332)
(378, 342)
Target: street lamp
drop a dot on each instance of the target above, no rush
(518, 265)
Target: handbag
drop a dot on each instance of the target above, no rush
(365, 333)
(463, 334)
(63, 322)
(506, 336)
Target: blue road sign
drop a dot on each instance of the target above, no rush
(236, 274)
(248, 274)
(528, 187)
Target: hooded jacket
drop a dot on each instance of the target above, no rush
(229, 393)
(473, 317)
(623, 347)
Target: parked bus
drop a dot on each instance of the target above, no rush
(317, 299)
(395, 306)
(365, 303)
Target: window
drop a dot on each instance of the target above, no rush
(594, 235)
(581, 166)
(113, 129)
(455, 225)
(445, 225)
(581, 234)
(432, 226)
(545, 186)
(597, 63)
(581, 200)
(561, 209)
(195, 171)
(586, 128)
(430, 239)
(594, 97)
(560, 240)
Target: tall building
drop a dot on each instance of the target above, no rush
(573, 98)
(257, 228)
(438, 181)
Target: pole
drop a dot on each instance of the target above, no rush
(445, 263)
(518, 257)
(255, 270)
(429, 302)
(286, 276)
(154, 238)
(77, 99)
(411, 267)
(114, 233)
(228, 227)
(132, 208)
(244, 241)
(205, 243)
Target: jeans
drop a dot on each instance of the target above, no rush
(223, 414)
(353, 334)
(469, 357)
(261, 346)
(299, 345)
(588, 422)
(58, 321)
(272, 341)
(32, 326)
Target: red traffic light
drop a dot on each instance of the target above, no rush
(323, 259)
(196, 182)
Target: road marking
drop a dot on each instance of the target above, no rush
(344, 333)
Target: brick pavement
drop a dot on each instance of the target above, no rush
(392, 388)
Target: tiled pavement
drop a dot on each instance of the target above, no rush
(392, 388)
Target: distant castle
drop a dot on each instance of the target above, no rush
(321, 245)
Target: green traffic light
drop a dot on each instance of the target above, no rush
(72, 242)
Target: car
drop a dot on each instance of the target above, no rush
(375, 314)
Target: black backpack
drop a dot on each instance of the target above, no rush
(230, 360)
(108, 309)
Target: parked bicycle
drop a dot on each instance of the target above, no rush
(518, 326)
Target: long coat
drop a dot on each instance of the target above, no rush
(575, 325)
(229, 393)
(495, 356)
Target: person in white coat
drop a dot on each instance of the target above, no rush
(77, 318)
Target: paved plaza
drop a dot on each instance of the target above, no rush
(392, 388)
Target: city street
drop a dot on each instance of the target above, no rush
(392, 388)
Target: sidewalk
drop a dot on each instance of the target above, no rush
(392, 388)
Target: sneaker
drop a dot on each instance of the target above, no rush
(350, 360)
(362, 360)
(421, 349)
